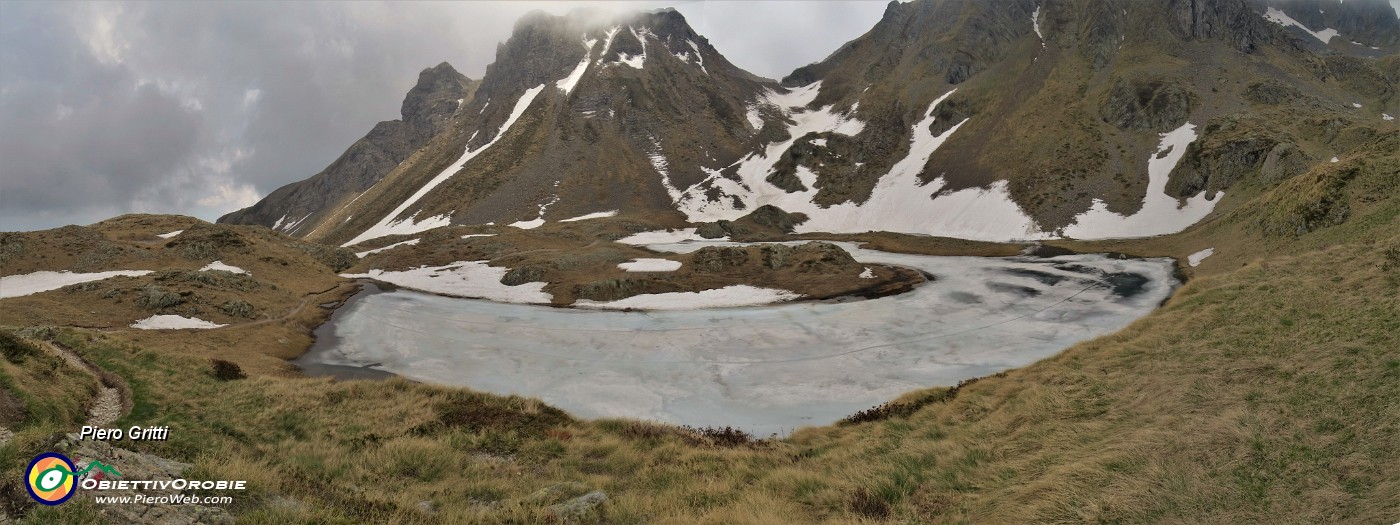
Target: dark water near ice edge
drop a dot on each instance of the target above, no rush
(767, 369)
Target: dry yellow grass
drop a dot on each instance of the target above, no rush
(1261, 395)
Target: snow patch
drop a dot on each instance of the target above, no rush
(173, 322)
(1335, 160)
(1385, 116)
(752, 189)
(734, 295)
(470, 235)
(699, 58)
(594, 215)
(1160, 213)
(607, 42)
(390, 226)
(1356, 105)
(650, 265)
(527, 225)
(639, 60)
(292, 227)
(820, 143)
(1273, 14)
(1035, 24)
(567, 84)
(1195, 259)
(754, 117)
(43, 281)
(662, 237)
(657, 156)
(409, 242)
(169, 235)
(868, 273)
(220, 266)
(474, 279)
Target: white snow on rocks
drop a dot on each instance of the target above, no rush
(657, 156)
(662, 237)
(900, 202)
(1195, 259)
(474, 279)
(650, 265)
(607, 42)
(1335, 160)
(43, 281)
(173, 322)
(1356, 105)
(754, 117)
(1385, 116)
(1273, 14)
(1160, 213)
(867, 274)
(389, 225)
(527, 225)
(594, 215)
(291, 227)
(1035, 24)
(733, 295)
(699, 58)
(636, 61)
(567, 84)
(172, 234)
(220, 266)
(753, 189)
(539, 219)
(409, 242)
(470, 235)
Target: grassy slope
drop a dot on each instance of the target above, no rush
(1258, 394)
(1262, 392)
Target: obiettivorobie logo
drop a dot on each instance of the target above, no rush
(52, 478)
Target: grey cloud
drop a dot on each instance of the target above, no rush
(195, 108)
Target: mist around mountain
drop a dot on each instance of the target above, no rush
(980, 120)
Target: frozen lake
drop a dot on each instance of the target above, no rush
(763, 369)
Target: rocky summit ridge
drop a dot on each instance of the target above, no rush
(988, 120)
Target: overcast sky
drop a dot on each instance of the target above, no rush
(202, 108)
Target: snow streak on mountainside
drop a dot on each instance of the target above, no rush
(987, 120)
(391, 225)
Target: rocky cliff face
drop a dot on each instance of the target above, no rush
(427, 110)
(1013, 119)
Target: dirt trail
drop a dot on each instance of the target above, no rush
(108, 406)
(105, 410)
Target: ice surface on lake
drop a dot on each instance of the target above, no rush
(763, 369)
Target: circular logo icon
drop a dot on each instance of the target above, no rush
(50, 478)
